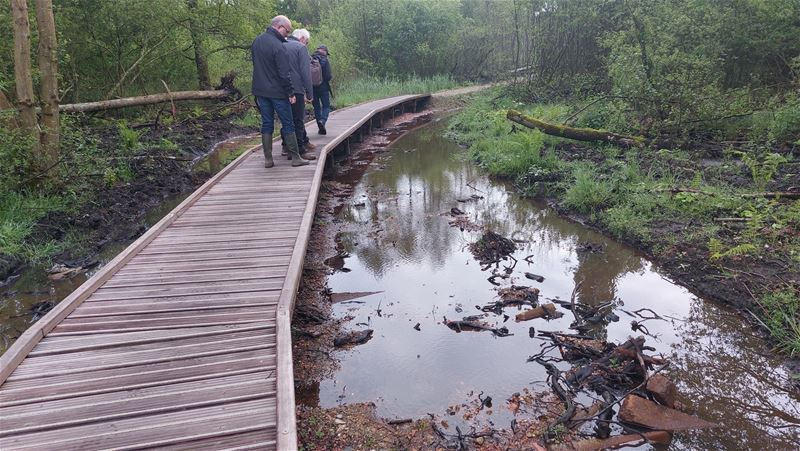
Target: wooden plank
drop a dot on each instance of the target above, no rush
(60, 345)
(211, 265)
(120, 360)
(195, 276)
(107, 407)
(85, 326)
(131, 378)
(154, 430)
(256, 440)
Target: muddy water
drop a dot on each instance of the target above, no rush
(400, 244)
(29, 297)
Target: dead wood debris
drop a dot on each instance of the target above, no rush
(491, 248)
(473, 323)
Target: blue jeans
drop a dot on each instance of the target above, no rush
(268, 107)
(322, 95)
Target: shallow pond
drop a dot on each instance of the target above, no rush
(399, 242)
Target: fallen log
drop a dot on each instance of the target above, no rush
(579, 134)
(144, 100)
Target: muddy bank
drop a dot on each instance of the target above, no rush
(165, 166)
(160, 168)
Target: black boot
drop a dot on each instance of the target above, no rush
(266, 145)
(321, 127)
(294, 151)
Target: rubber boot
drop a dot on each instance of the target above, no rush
(294, 151)
(266, 144)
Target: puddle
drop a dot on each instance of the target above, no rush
(395, 241)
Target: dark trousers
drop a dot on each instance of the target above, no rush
(268, 107)
(298, 114)
(322, 102)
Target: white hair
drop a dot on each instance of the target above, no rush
(302, 33)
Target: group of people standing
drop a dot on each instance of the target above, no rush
(285, 78)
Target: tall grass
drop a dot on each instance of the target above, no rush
(351, 92)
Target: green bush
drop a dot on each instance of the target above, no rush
(781, 311)
(588, 192)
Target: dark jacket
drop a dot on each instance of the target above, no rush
(300, 66)
(327, 74)
(270, 66)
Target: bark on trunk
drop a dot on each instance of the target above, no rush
(48, 68)
(143, 100)
(22, 65)
(579, 134)
(200, 59)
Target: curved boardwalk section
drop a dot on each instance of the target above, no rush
(183, 340)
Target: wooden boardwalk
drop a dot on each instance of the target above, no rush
(183, 340)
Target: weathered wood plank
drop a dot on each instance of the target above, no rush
(130, 378)
(107, 407)
(154, 430)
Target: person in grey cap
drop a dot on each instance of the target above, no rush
(322, 93)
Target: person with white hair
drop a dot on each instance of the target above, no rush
(302, 89)
(272, 88)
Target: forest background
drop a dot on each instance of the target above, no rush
(704, 78)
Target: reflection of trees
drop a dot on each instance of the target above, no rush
(412, 230)
(403, 227)
(725, 375)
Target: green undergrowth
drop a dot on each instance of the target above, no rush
(630, 193)
(359, 90)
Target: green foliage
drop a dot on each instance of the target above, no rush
(763, 166)
(128, 137)
(781, 313)
(354, 91)
(19, 212)
(588, 192)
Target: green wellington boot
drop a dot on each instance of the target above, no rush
(294, 151)
(266, 144)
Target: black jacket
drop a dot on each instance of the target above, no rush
(327, 74)
(271, 66)
(300, 66)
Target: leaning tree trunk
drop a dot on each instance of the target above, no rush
(22, 65)
(48, 67)
(200, 59)
(144, 100)
(580, 134)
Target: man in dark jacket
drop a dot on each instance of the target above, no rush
(322, 93)
(302, 89)
(272, 87)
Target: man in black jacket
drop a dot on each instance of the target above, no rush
(322, 93)
(272, 87)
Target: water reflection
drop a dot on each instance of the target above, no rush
(400, 243)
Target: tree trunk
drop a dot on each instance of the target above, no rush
(143, 100)
(579, 134)
(200, 58)
(48, 67)
(22, 65)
